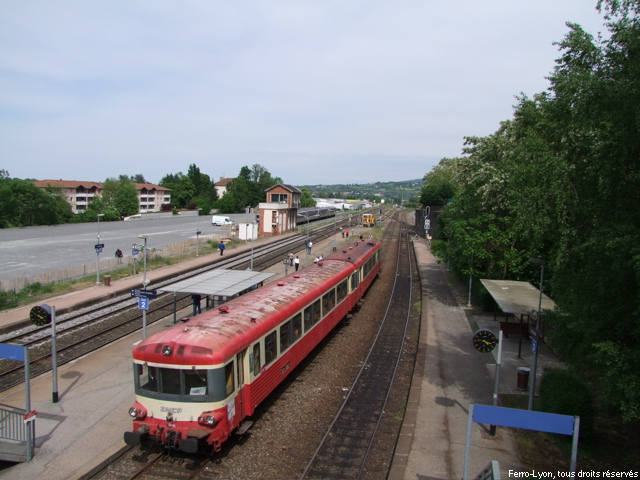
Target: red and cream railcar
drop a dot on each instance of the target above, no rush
(195, 383)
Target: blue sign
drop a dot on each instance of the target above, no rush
(137, 292)
(143, 303)
(534, 345)
(134, 251)
(12, 352)
(528, 419)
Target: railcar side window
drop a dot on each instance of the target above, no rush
(285, 336)
(317, 314)
(270, 348)
(147, 377)
(328, 301)
(195, 382)
(308, 318)
(256, 359)
(229, 381)
(341, 290)
(296, 324)
(355, 280)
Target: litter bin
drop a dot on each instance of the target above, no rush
(523, 377)
(107, 280)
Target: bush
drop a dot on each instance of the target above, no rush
(564, 393)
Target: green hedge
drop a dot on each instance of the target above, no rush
(564, 393)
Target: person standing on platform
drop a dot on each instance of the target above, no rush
(296, 262)
(221, 247)
(309, 245)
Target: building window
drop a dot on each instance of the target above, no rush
(279, 197)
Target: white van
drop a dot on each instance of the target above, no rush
(219, 221)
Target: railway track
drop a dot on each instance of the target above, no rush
(86, 329)
(344, 451)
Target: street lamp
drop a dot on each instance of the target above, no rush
(98, 250)
(198, 232)
(536, 335)
(306, 215)
(144, 286)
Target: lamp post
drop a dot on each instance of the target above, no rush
(306, 245)
(98, 250)
(198, 232)
(144, 286)
(536, 335)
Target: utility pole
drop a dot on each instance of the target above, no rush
(98, 250)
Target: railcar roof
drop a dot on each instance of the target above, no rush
(215, 335)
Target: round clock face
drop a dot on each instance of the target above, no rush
(484, 340)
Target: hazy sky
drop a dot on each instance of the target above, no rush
(315, 91)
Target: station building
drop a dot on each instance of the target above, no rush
(278, 213)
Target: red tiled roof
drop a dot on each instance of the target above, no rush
(99, 185)
(66, 184)
(223, 182)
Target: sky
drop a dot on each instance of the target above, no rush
(317, 92)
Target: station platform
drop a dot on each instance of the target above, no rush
(85, 427)
(449, 376)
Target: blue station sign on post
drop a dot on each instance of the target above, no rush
(99, 247)
(143, 297)
(143, 303)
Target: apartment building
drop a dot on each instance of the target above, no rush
(79, 194)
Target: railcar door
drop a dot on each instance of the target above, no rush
(240, 407)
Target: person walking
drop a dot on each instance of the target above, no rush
(296, 262)
(221, 247)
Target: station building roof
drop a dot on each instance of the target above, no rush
(220, 282)
(516, 297)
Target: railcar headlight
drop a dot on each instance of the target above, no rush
(207, 420)
(137, 413)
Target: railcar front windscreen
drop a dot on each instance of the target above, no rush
(183, 385)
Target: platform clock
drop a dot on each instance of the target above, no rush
(484, 340)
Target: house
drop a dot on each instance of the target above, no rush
(79, 194)
(278, 213)
(221, 186)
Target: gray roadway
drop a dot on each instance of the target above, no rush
(33, 250)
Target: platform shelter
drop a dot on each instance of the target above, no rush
(216, 286)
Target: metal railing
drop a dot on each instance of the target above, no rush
(15, 434)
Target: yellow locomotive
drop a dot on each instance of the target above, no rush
(368, 220)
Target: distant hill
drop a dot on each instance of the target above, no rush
(390, 191)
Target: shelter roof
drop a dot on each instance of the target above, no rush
(516, 297)
(220, 282)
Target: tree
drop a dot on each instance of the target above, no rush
(438, 186)
(247, 189)
(306, 200)
(24, 204)
(561, 181)
(121, 195)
